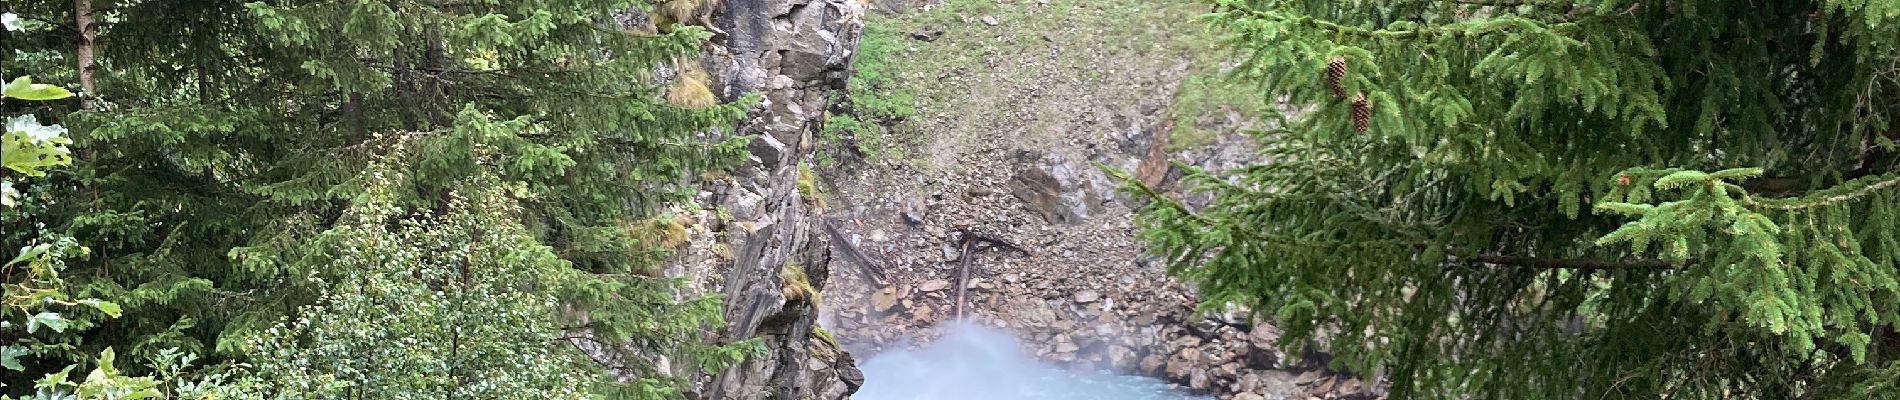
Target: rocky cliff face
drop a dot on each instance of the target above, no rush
(762, 246)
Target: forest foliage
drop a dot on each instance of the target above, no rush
(365, 199)
(1565, 199)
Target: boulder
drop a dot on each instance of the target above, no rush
(1060, 190)
(1150, 364)
(1197, 379)
(1121, 358)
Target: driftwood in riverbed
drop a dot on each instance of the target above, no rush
(966, 241)
(870, 267)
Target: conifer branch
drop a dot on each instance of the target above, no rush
(1500, 3)
(1827, 199)
(1582, 264)
(1414, 245)
(1131, 182)
(1459, 28)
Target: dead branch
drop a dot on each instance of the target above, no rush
(869, 266)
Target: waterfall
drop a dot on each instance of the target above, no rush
(971, 362)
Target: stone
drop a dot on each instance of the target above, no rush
(1187, 341)
(884, 299)
(1042, 193)
(950, 253)
(1150, 364)
(849, 373)
(1228, 354)
(1207, 328)
(927, 35)
(1177, 369)
(780, 82)
(1064, 324)
(933, 285)
(1248, 396)
(1307, 377)
(923, 313)
(1349, 386)
(1087, 296)
(769, 150)
(1325, 386)
(1263, 357)
(1228, 370)
(913, 215)
(1197, 379)
(803, 64)
(1121, 357)
(989, 20)
(1190, 355)
(1248, 382)
(1263, 336)
(1066, 347)
(744, 205)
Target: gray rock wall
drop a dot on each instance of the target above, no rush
(795, 52)
(755, 240)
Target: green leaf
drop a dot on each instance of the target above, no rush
(28, 252)
(10, 357)
(105, 367)
(50, 319)
(107, 307)
(147, 393)
(23, 88)
(55, 380)
(30, 147)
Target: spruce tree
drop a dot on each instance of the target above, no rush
(224, 145)
(1565, 199)
(38, 314)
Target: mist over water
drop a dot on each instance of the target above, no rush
(976, 363)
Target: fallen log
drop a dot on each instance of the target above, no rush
(967, 240)
(963, 275)
(864, 262)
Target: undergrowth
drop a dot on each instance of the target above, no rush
(872, 111)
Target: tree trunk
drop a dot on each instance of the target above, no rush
(82, 21)
(434, 62)
(353, 120)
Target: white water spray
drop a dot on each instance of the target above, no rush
(976, 363)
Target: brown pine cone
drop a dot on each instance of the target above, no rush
(1361, 113)
(1336, 75)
